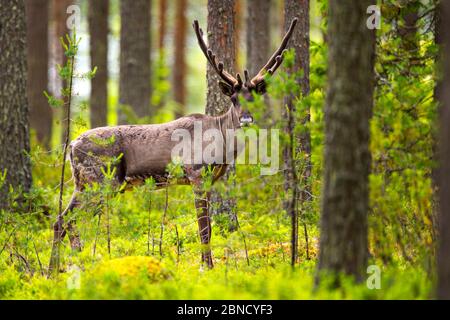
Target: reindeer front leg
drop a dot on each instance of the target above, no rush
(60, 232)
(204, 224)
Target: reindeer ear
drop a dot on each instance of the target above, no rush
(260, 88)
(226, 88)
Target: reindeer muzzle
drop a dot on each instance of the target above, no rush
(246, 120)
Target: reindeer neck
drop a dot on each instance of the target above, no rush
(228, 120)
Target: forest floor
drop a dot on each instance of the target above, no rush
(135, 269)
(250, 263)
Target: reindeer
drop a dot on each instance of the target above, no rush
(144, 151)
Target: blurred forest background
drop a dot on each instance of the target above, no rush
(353, 212)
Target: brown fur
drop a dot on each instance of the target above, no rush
(145, 149)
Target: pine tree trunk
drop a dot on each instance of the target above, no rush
(258, 46)
(134, 83)
(162, 12)
(221, 40)
(443, 286)
(349, 102)
(437, 94)
(298, 172)
(98, 30)
(179, 68)
(41, 114)
(59, 17)
(258, 34)
(161, 66)
(14, 140)
(238, 17)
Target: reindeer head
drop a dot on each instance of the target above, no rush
(235, 87)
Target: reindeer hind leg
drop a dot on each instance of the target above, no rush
(59, 233)
(74, 235)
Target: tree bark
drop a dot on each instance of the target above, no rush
(134, 83)
(98, 30)
(437, 94)
(162, 12)
(59, 29)
(238, 17)
(14, 140)
(221, 40)
(220, 32)
(41, 114)
(179, 68)
(258, 34)
(297, 173)
(159, 98)
(443, 285)
(349, 103)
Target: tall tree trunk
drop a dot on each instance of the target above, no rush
(179, 68)
(98, 30)
(437, 93)
(221, 40)
(162, 12)
(258, 45)
(161, 71)
(134, 83)
(258, 34)
(59, 29)
(443, 286)
(14, 140)
(238, 17)
(349, 103)
(41, 114)
(297, 175)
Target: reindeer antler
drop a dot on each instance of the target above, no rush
(218, 67)
(275, 60)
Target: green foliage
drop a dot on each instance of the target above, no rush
(403, 226)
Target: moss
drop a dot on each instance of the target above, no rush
(132, 266)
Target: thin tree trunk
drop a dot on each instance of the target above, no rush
(443, 285)
(179, 68)
(297, 154)
(98, 30)
(162, 12)
(220, 32)
(238, 17)
(221, 41)
(348, 109)
(161, 67)
(59, 17)
(41, 115)
(14, 140)
(134, 83)
(258, 45)
(437, 92)
(258, 34)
